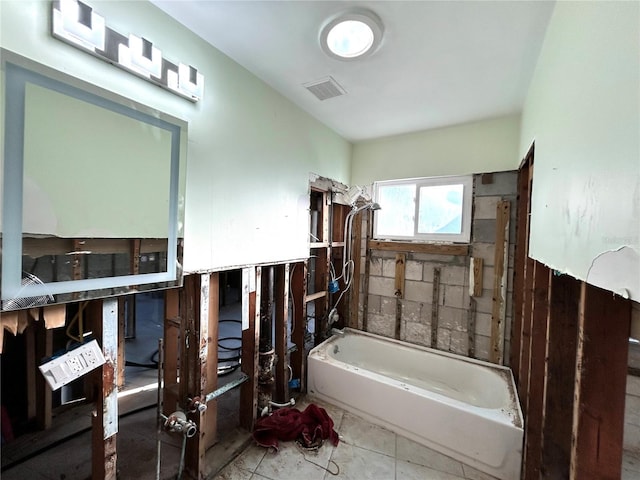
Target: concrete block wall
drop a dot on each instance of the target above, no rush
(456, 309)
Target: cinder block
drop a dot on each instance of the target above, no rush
(375, 267)
(440, 259)
(485, 251)
(504, 183)
(484, 231)
(454, 296)
(418, 291)
(389, 267)
(483, 346)
(373, 305)
(425, 313)
(484, 208)
(411, 311)
(484, 304)
(459, 343)
(417, 333)
(413, 270)
(388, 306)
(381, 286)
(452, 318)
(454, 275)
(487, 278)
(483, 324)
(381, 325)
(444, 338)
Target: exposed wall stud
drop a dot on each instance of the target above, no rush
(500, 266)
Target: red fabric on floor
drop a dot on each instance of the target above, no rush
(287, 424)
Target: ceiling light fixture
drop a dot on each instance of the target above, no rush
(351, 35)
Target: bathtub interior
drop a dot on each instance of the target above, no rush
(468, 380)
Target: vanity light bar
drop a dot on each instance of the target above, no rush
(76, 23)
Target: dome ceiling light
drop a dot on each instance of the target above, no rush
(351, 35)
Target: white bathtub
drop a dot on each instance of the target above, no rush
(461, 407)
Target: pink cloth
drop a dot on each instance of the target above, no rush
(287, 424)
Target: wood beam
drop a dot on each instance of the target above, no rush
(354, 292)
(601, 378)
(298, 322)
(399, 291)
(250, 343)
(534, 413)
(104, 425)
(204, 361)
(281, 296)
(562, 336)
(500, 267)
(44, 349)
(408, 247)
(171, 349)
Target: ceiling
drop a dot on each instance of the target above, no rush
(440, 63)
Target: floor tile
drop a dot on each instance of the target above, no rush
(361, 433)
(233, 472)
(412, 471)
(413, 452)
(631, 461)
(21, 472)
(361, 464)
(471, 473)
(250, 458)
(291, 463)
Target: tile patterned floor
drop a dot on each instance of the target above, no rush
(365, 452)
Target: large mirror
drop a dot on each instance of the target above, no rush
(92, 190)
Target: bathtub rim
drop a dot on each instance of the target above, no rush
(505, 371)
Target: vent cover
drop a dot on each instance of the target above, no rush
(325, 88)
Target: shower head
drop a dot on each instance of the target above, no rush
(366, 206)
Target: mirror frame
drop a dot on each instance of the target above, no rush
(17, 72)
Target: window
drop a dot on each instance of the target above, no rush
(436, 209)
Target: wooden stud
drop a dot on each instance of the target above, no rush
(171, 349)
(134, 256)
(32, 370)
(281, 295)
(205, 366)
(601, 378)
(475, 285)
(435, 302)
(522, 248)
(433, 248)
(562, 336)
(104, 317)
(399, 291)
(471, 327)
(298, 321)
(44, 349)
(121, 341)
(534, 413)
(500, 266)
(367, 269)
(250, 343)
(354, 292)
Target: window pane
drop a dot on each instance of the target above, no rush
(440, 209)
(396, 216)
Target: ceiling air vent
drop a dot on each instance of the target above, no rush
(325, 88)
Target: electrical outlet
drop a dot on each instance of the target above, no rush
(73, 364)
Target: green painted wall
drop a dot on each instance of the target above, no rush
(582, 111)
(485, 146)
(250, 151)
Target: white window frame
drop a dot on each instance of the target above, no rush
(467, 201)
